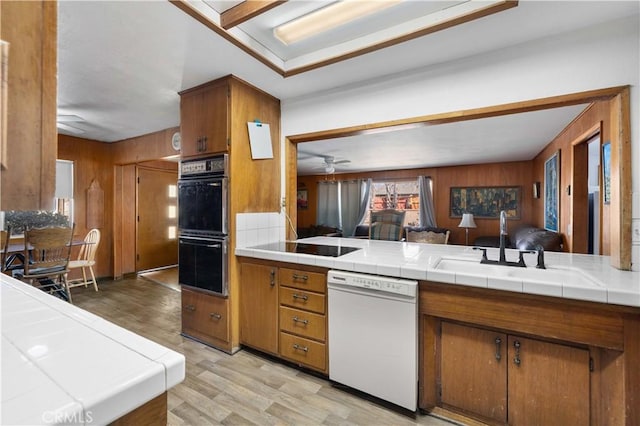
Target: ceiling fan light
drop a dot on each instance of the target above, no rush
(327, 18)
(329, 169)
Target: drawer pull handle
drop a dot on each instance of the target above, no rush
(215, 316)
(297, 347)
(300, 277)
(304, 321)
(303, 297)
(190, 308)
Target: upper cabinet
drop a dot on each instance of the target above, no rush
(204, 119)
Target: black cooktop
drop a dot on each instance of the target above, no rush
(307, 248)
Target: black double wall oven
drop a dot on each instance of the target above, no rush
(202, 224)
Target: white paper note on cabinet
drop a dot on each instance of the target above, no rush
(260, 140)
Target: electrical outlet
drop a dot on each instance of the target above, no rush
(635, 231)
(283, 202)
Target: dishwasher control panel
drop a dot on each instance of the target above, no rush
(374, 282)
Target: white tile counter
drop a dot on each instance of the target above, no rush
(61, 364)
(417, 261)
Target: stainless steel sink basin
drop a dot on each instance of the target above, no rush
(552, 275)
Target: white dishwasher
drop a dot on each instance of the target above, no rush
(373, 336)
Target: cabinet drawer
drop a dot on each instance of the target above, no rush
(303, 351)
(302, 299)
(311, 281)
(303, 323)
(203, 314)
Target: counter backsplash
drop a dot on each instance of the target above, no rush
(259, 228)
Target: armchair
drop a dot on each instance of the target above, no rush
(386, 225)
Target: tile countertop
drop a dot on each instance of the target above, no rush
(61, 364)
(417, 261)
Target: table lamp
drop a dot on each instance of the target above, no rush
(467, 222)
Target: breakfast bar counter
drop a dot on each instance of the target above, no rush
(64, 365)
(570, 276)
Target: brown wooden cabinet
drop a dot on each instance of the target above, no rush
(288, 319)
(214, 120)
(303, 320)
(205, 317)
(511, 358)
(473, 376)
(259, 307)
(204, 120)
(510, 379)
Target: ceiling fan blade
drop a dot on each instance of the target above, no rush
(342, 162)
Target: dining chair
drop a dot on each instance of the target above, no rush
(47, 252)
(386, 225)
(430, 237)
(4, 245)
(86, 260)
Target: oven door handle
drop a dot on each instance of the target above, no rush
(200, 242)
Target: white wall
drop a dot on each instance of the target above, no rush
(548, 67)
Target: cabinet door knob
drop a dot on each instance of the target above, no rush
(272, 274)
(516, 358)
(190, 308)
(215, 315)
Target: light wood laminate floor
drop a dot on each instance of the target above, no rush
(245, 388)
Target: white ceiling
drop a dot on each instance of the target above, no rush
(515, 137)
(122, 64)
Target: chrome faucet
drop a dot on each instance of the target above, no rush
(502, 259)
(503, 235)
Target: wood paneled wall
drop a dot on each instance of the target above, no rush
(113, 166)
(91, 160)
(444, 178)
(594, 119)
(152, 146)
(28, 182)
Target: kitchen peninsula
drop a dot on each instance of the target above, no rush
(64, 365)
(499, 344)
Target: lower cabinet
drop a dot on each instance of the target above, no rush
(283, 312)
(259, 307)
(205, 317)
(502, 378)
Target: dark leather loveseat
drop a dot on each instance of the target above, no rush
(525, 237)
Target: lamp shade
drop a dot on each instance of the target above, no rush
(467, 221)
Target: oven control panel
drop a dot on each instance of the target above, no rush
(213, 166)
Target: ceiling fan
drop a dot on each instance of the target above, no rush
(330, 163)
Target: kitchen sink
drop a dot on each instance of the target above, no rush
(552, 275)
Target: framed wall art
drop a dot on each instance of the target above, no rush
(552, 193)
(485, 201)
(302, 199)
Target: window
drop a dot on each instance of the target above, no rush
(400, 194)
(63, 201)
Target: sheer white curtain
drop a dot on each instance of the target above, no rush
(351, 196)
(328, 204)
(427, 213)
(365, 200)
